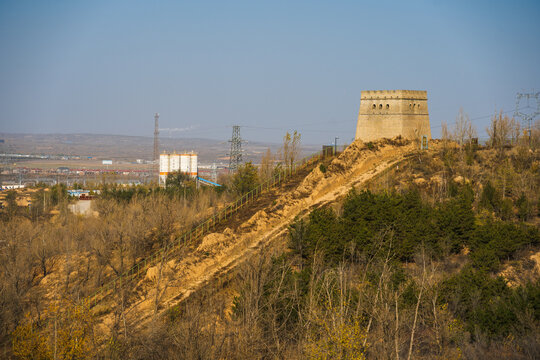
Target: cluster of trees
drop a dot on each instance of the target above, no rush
(248, 176)
(178, 186)
(393, 274)
(504, 134)
(388, 276)
(51, 260)
(503, 131)
(62, 258)
(379, 280)
(42, 201)
(507, 165)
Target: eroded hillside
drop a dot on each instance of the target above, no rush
(221, 252)
(305, 265)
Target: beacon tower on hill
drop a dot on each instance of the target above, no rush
(389, 113)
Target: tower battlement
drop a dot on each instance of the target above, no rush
(393, 94)
(389, 113)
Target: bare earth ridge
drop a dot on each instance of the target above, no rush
(221, 252)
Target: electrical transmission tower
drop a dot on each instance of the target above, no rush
(156, 143)
(214, 172)
(527, 118)
(235, 155)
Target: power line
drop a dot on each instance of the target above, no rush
(354, 120)
(333, 131)
(289, 129)
(478, 118)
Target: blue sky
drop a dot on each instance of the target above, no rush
(107, 66)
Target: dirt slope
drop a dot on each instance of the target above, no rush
(220, 252)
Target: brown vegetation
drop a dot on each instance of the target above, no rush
(253, 289)
(51, 260)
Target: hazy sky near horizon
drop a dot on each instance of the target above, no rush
(107, 66)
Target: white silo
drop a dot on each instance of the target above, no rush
(164, 167)
(193, 165)
(174, 162)
(184, 163)
(164, 163)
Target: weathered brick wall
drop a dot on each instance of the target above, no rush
(389, 113)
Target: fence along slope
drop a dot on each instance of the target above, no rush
(193, 234)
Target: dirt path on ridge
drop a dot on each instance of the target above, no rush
(222, 251)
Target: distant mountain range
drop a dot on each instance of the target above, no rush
(130, 147)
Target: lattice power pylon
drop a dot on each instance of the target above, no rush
(527, 118)
(156, 143)
(235, 156)
(214, 172)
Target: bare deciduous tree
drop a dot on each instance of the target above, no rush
(267, 165)
(461, 126)
(290, 149)
(499, 131)
(445, 133)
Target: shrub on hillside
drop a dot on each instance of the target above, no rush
(487, 305)
(455, 221)
(490, 198)
(245, 179)
(524, 208)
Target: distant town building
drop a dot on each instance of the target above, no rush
(11, 186)
(389, 113)
(78, 192)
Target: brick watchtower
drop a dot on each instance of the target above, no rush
(389, 113)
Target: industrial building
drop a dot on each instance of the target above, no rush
(169, 163)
